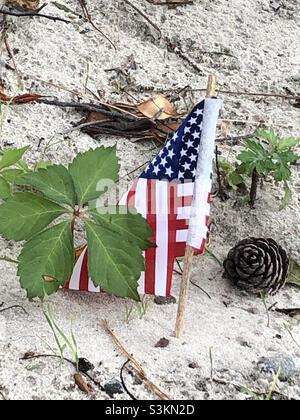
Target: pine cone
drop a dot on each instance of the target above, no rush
(258, 265)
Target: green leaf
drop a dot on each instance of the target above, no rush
(54, 182)
(282, 173)
(288, 143)
(255, 147)
(272, 138)
(43, 164)
(287, 197)
(225, 165)
(234, 179)
(25, 214)
(294, 274)
(287, 156)
(88, 169)
(127, 222)
(13, 176)
(23, 165)
(5, 190)
(46, 261)
(246, 156)
(12, 156)
(114, 264)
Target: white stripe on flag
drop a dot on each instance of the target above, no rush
(183, 213)
(141, 205)
(92, 288)
(197, 230)
(123, 201)
(181, 235)
(75, 279)
(162, 238)
(185, 189)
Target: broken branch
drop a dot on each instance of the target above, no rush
(136, 365)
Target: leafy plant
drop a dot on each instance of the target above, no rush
(230, 174)
(61, 339)
(140, 307)
(116, 236)
(265, 155)
(12, 167)
(143, 306)
(268, 154)
(264, 396)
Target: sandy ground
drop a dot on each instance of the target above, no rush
(263, 55)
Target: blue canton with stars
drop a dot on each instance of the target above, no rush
(178, 159)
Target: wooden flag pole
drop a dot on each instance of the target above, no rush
(189, 251)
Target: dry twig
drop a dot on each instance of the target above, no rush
(12, 307)
(17, 13)
(136, 365)
(88, 17)
(143, 15)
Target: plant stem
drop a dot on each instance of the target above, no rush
(210, 252)
(253, 190)
(221, 191)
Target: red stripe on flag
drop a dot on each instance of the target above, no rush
(180, 249)
(67, 285)
(172, 234)
(184, 201)
(150, 255)
(182, 224)
(84, 275)
(202, 249)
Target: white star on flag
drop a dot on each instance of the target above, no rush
(189, 144)
(169, 171)
(196, 135)
(193, 121)
(186, 166)
(171, 154)
(156, 170)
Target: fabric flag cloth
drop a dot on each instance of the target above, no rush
(173, 194)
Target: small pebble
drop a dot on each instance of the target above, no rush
(113, 387)
(85, 365)
(193, 365)
(162, 300)
(162, 343)
(282, 362)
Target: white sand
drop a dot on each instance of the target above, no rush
(265, 46)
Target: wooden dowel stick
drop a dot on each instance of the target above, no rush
(189, 251)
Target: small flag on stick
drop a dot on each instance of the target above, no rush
(204, 166)
(173, 194)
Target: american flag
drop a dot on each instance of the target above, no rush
(173, 194)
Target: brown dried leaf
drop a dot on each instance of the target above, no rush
(96, 116)
(158, 108)
(24, 4)
(49, 279)
(82, 384)
(79, 251)
(161, 132)
(21, 99)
